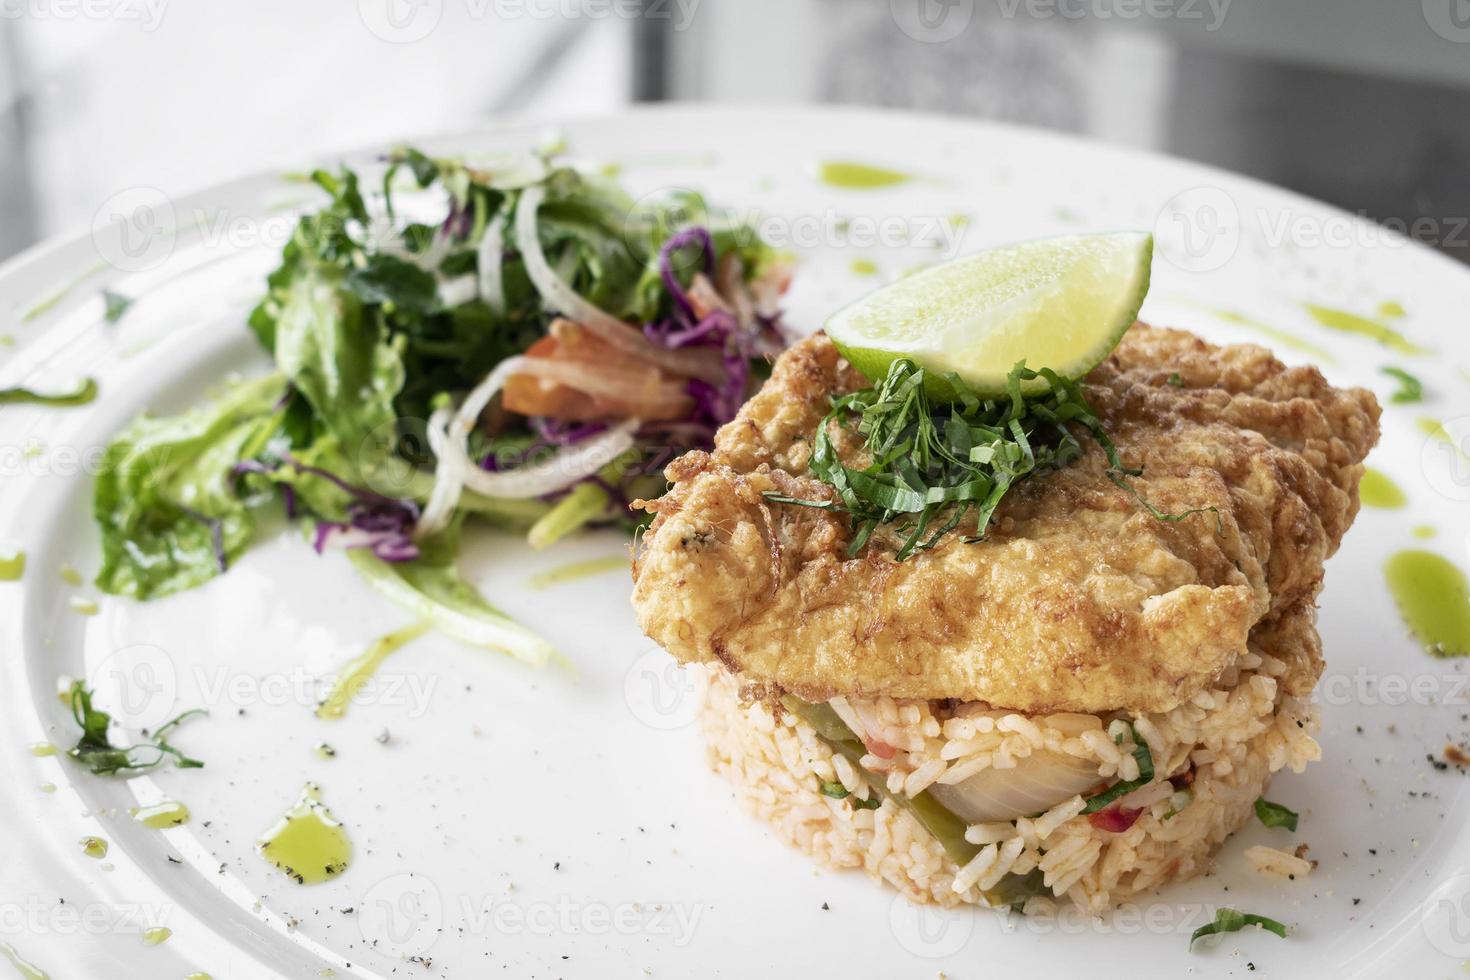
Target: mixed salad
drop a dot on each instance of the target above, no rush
(517, 342)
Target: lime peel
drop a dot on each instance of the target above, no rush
(1060, 303)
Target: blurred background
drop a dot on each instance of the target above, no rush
(1362, 103)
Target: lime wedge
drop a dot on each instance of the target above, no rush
(1060, 303)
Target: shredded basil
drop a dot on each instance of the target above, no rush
(1229, 920)
(1274, 814)
(95, 750)
(935, 463)
(834, 789)
(1411, 389)
(1123, 788)
(114, 305)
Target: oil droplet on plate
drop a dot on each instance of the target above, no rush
(12, 565)
(1377, 489)
(357, 671)
(578, 570)
(70, 575)
(199, 976)
(1344, 322)
(47, 787)
(1434, 598)
(93, 847)
(307, 843)
(156, 935)
(864, 267)
(162, 815)
(859, 176)
(83, 605)
(41, 749)
(1423, 531)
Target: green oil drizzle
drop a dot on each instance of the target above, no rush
(1281, 337)
(12, 565)
(27, 971)
(864, 267)
(93, 847)
(199, 976)
(307, 843)
(161, 816)
(54, 300)
(83, 605)
(41, 749)
(70, 575)
(358, 670)
(156, 935)
(1345, 322)
(1377, 489)
(578, 570)
(1434, 599)
(47, 787)
(859, 176)
(1423, 532)
(1390, 310)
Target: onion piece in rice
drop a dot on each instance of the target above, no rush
(1035, 784)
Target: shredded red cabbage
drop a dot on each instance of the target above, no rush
(384, 524)
(385, 528)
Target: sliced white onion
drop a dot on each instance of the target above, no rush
(448, 478)
(561, 471)
(1037, 783)
(453, 471)
(558, 295)
(458, 291)
(489, 258)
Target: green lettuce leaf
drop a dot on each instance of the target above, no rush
(340, 359)
(165, 500)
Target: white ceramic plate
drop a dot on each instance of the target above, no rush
(526, 823)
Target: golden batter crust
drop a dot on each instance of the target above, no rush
(1076, 600)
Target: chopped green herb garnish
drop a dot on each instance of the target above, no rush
(871, 803)
(86, 392)
(1274, 814)
(1124, 787)
(1411, 389)
(114, 305)
(834, 789)
(931, 460)
(1175, 380)
(1229, 920)
(96, 751)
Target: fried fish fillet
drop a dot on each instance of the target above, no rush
(1077, 599)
